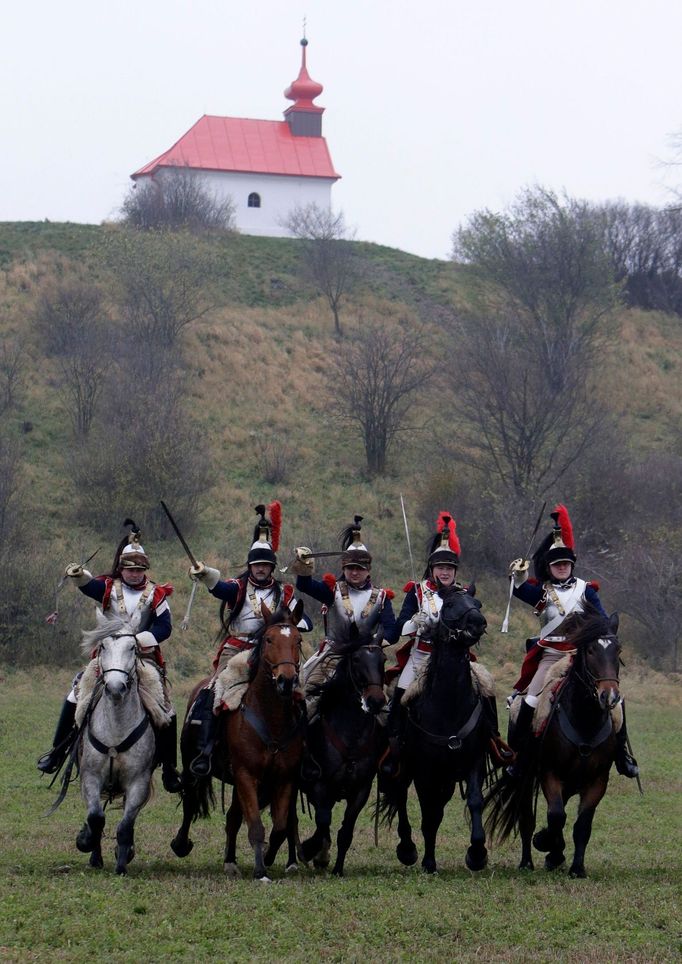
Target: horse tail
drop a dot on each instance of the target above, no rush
(391, 793)
(508, 801)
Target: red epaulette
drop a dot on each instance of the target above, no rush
(108, 586)
(329, 580)
(389, 593)
(593, 584)
(409, 586)
(287, 593)
(161, 591)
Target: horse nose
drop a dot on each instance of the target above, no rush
(609, 697)
(376, 700)
(116, 688)
(285, 684)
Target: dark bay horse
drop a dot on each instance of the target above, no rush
(572, 757)
(258, 749)
(446, 738)
(347, 742)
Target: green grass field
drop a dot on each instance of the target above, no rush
(53, 907)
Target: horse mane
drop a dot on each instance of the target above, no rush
(106, 626)
(586, 626)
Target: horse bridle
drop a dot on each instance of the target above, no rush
(282, 662)
(591, 681)
(358, 689)
(113, 669)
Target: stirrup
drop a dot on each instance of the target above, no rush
(626, 765)
(201, 765)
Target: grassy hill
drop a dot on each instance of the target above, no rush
(256, 370)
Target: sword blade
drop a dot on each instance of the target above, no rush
(535, 530)
(190, 554)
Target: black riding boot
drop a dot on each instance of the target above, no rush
(520, 738)
(167, 749)
(390, 764)
(206, 722)
(51, 761)
(626, 764)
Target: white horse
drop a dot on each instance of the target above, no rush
(117, 743)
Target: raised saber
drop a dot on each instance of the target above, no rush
(313, 555)
(505, 621)
(407, 536)
(51, 618)
(179, 534)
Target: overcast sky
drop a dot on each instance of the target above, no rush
(433, 109)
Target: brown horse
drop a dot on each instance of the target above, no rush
(258, 748)
(572, 757)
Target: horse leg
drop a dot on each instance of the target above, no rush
(233, 821)
(280, 810)
(316, 848)
(406, 851)
(551, 838)
(477, 854)
(89, 840)
(136, 796)
(582, 828)
(293, 840)
(344, 837)
(526, 828)
(182, 844)
(248, 798)
(432, 802)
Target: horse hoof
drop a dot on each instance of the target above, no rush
(542, 840)
(96, 861)
(291, 869)
(307, 850)
(232, 870)
(337, 872)
(429, 866)
(475, 860)
(577, 873)
(321, 861)
(181, 848)
(553, 863)
(526, 865)
(121, 870)
(84, 840)
(264, 880)
(407, 854)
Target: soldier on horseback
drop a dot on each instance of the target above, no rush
(126, 593)
(419, 616)
(241, 619)
(555, 592)
(350, 598)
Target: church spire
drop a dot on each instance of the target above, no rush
(304, 117)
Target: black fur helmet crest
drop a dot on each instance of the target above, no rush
(355, 552)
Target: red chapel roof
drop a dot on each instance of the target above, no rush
(248, 146)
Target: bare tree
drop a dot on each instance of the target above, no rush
(373, 381)
(83, 372)
(327, 253)
(164, 280)
(544, 258)
(175, 199)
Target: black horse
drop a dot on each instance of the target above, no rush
(446, 738)
(573, 755)
(347, 743)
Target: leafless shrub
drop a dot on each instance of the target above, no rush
(177, 199)
(277, 459)
(12, 371)
(65, 313)
(164, 282)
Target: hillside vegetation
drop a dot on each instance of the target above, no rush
(253, 376)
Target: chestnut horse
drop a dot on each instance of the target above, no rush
(258, 748)
(573, 756)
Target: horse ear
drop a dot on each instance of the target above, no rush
(297, 612)
(614, 620)
(471, 589)
(265, 613)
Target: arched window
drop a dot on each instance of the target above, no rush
(254, 200)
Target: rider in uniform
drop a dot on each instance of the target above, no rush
(127, 593)
(240, 617)
(555, 592)
(418, 619)
(346, 599)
